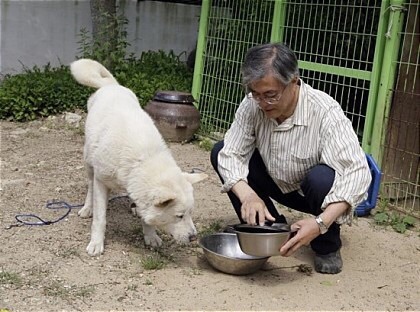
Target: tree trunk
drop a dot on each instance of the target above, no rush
(104, 28)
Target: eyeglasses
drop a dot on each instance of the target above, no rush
(270, 99)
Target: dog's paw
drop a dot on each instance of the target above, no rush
(152, 240)
(95, 248)
(85, 212)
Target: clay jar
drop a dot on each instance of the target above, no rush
(174, 114)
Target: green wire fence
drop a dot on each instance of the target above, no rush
(349, 49)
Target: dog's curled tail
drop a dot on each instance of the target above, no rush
(91, 73)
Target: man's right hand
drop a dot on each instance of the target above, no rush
(253, 209)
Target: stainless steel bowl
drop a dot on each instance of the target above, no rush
(223, 252)
(262, 241)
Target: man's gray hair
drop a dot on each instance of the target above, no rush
(276, 59)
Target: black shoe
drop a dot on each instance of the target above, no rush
(330, 263)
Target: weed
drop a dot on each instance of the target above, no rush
(56, 289)
(132, 287)
(8, 278)
(213, 227)
(153, 262)
(68, 253)
(148, 282)
(400, 223)
(206, 144)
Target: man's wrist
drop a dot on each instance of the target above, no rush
(323, 228)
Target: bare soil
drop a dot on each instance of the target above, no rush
(46, 268)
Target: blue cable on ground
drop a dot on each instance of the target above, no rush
(25, 219)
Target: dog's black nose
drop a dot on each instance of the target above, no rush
(192, 237)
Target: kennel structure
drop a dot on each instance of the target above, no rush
(364, 53)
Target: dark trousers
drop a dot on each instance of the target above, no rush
(315, 187)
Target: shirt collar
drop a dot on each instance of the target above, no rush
(300, 116)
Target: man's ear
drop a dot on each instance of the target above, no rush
(194, 177)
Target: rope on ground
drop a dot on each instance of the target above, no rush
(34, 220)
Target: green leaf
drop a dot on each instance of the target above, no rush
(400, 227)
(409, 220)
(381, 218)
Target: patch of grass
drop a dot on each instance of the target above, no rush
(57, 289)
(132, 287)
(148, 282)
(153, 262)
(213, 227)
(84, 291)
(400, 223)
(68, 253)
(206, 144)
(10, 278)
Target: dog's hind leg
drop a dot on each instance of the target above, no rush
(86, 211)
(100, 203)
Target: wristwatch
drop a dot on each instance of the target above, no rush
(322, 227)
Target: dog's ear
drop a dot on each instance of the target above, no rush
(194, 177)
(164, 199)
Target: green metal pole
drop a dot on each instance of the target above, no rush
(387, 80)
(199, 53)
(375, 77)
(279, 16)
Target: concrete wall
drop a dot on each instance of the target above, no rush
(39, 32)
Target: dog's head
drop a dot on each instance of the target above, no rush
(168, 204)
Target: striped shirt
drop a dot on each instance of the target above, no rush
(318, 132)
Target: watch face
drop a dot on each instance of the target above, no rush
(322, 227)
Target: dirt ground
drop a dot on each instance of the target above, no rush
(46, 268)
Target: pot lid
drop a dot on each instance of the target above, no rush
(173, 97)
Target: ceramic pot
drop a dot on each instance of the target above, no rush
(174, 114)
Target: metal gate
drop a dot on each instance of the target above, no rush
(349, 49)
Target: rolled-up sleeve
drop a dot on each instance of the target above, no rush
(239, 144)
(343, 153)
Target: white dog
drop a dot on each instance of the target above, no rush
(124, 149)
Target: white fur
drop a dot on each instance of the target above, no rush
(124, 149)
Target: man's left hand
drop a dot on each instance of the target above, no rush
(306, 230)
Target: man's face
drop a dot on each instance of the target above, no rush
(278, 101)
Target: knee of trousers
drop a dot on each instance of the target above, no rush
(319, 180)
(214, 153)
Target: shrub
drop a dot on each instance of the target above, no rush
(40, 92)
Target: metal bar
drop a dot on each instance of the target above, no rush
(279, 17)
(199, 52)
(387, 80)
(374, 83)
(336, 70)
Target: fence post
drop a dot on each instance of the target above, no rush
(375, 77)
(277, 29)
(387, 80)
(199, 66)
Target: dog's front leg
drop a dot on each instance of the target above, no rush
(150, 236)
(100, 203)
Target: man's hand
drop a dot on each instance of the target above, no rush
(252, 204)
(306, 230)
